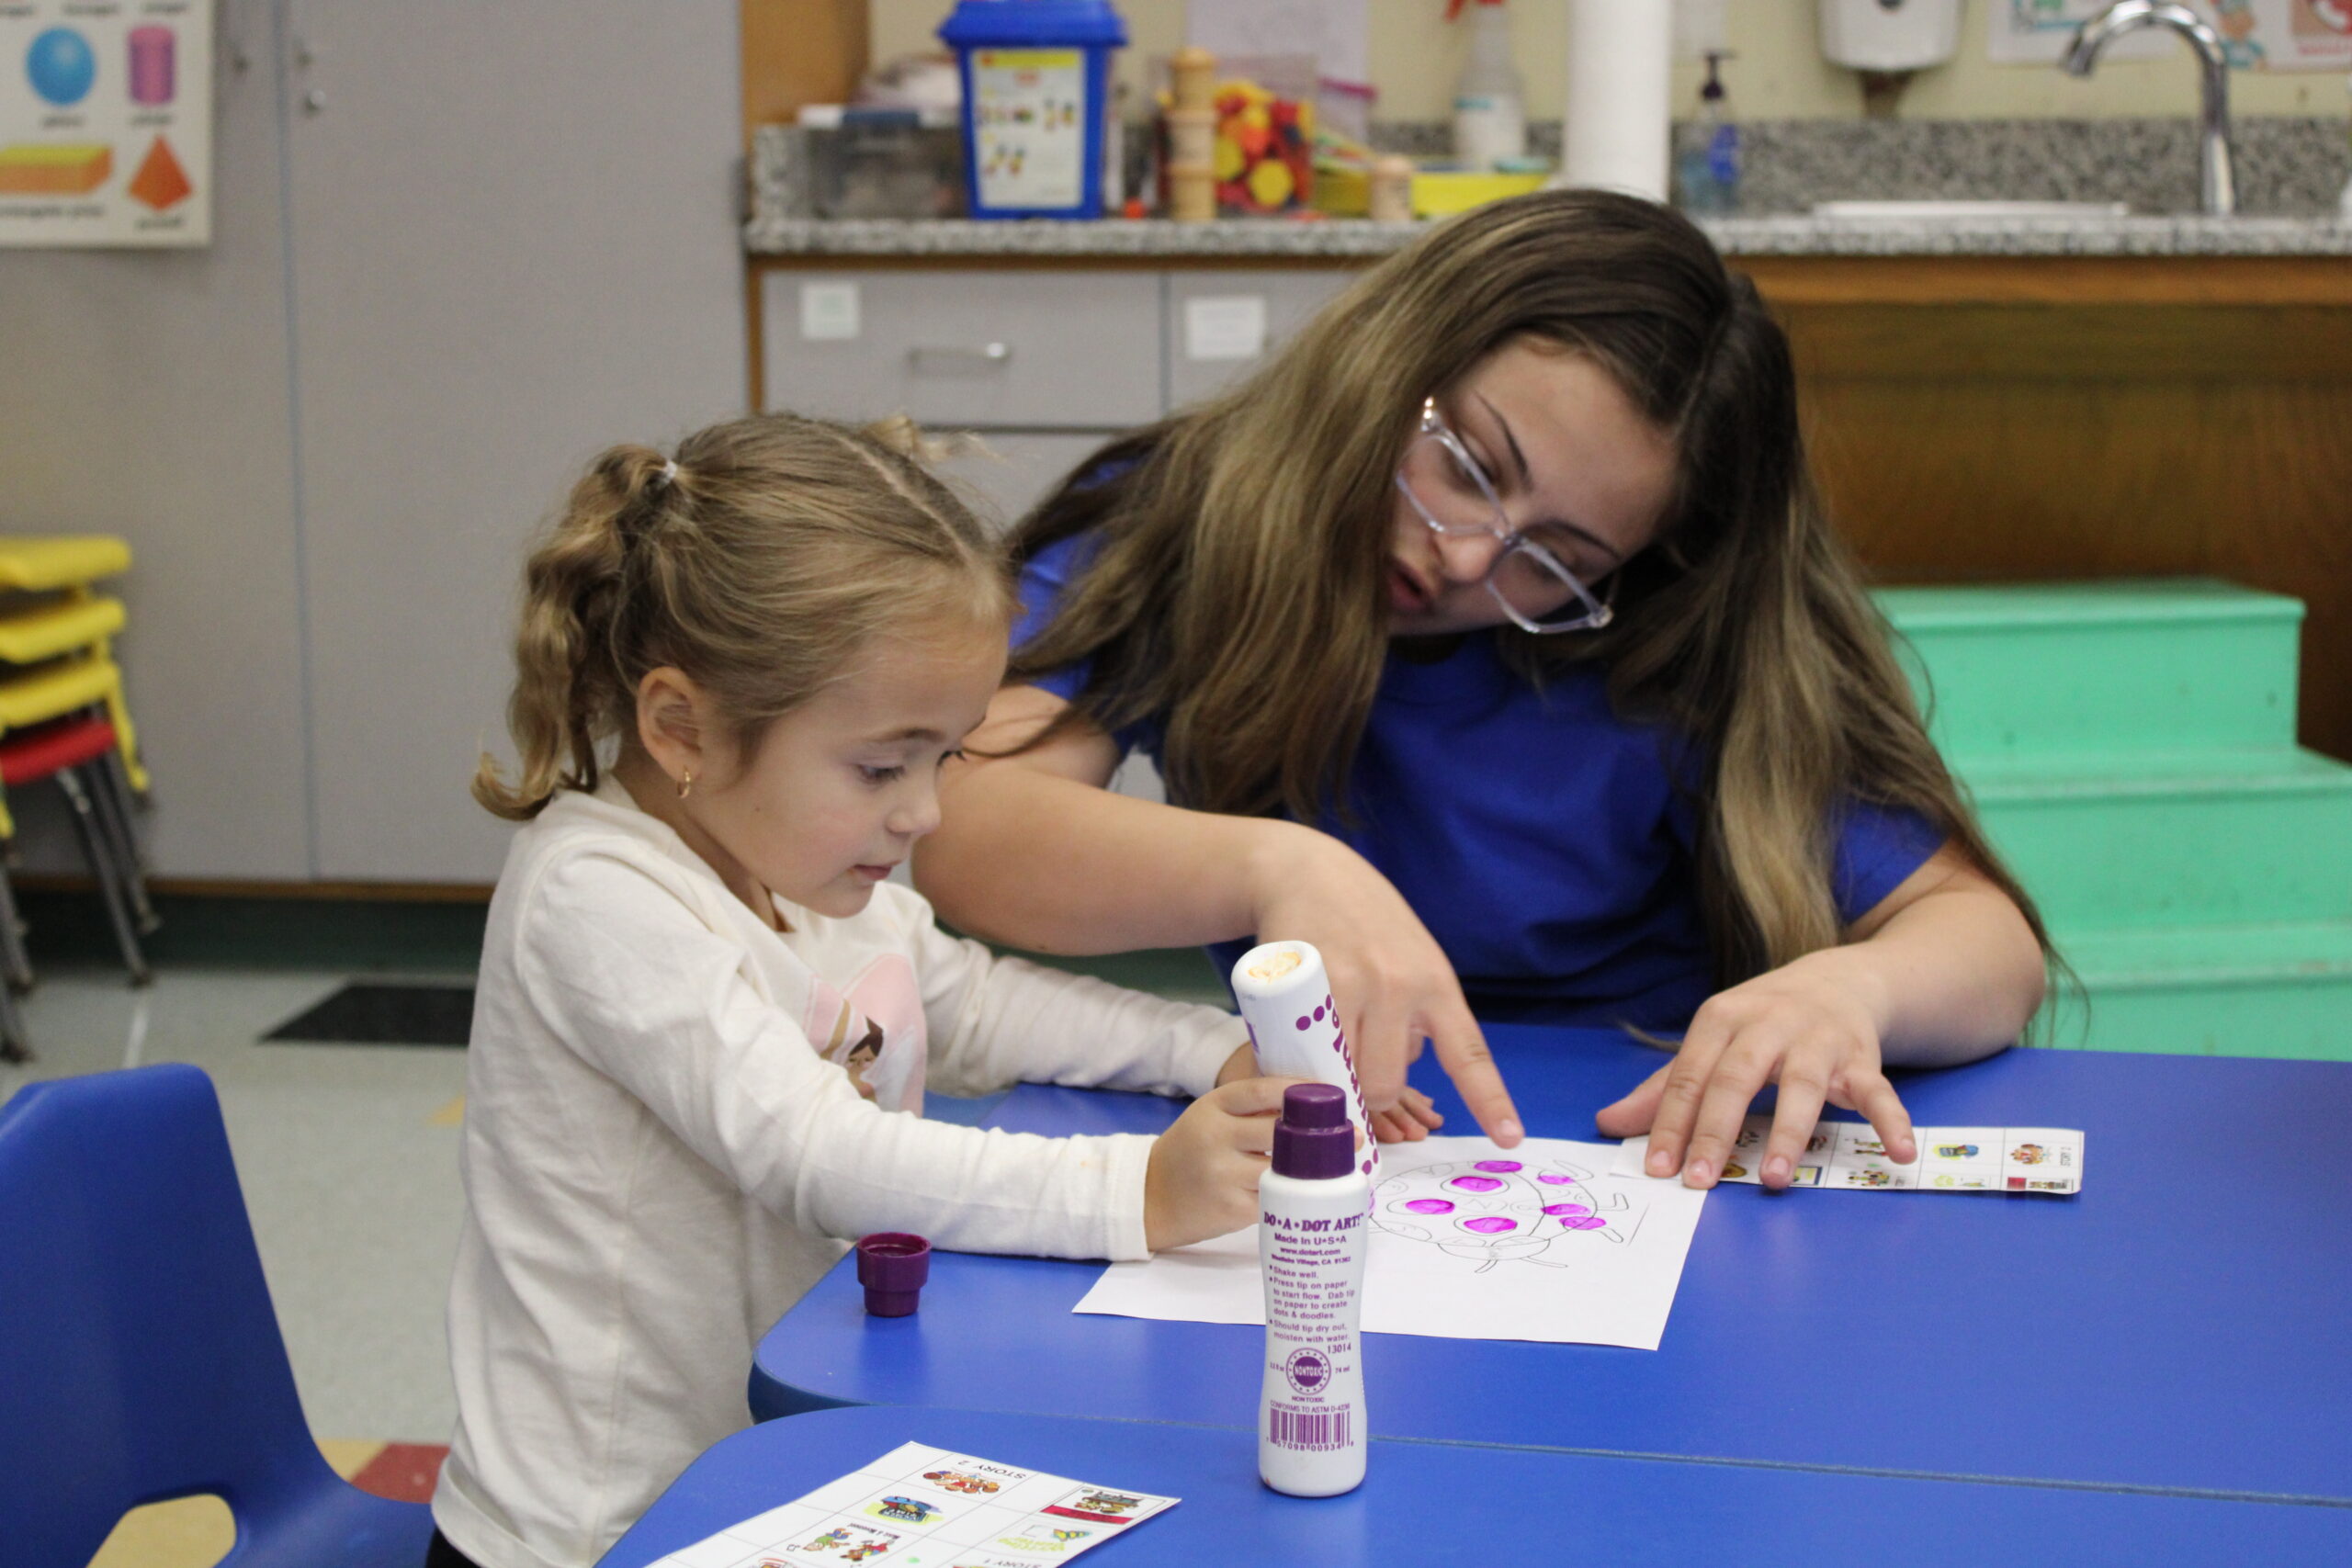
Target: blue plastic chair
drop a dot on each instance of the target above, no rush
(140, 1357)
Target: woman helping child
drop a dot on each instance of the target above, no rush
(1492, 638)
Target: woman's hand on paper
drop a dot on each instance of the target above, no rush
(1808, 1026)
(1392, 981)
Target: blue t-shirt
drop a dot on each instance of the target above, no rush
(1544, 840)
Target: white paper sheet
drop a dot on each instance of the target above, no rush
(1469, 1242)
(923, 1508)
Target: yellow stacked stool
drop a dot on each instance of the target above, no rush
(56, 661)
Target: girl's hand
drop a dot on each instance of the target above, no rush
(1812, 1027)
(1410, 1122)
(1203, 1178)
(1412, 1119)
(1388, 975)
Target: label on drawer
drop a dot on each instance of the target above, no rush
(1225, 326)
(829, 313)
(1028, 116)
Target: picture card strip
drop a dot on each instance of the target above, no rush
(1951, 1159)
(926, 1507)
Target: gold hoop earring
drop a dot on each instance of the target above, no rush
(685, 784)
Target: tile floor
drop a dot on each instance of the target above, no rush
(348, 1156)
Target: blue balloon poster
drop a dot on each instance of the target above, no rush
(105, 122)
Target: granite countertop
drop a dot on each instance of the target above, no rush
(1789, 236)
(2289, 172)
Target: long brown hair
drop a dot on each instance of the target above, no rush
(1235, 593)
(758, 560)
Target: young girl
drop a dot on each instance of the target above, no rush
(705, 1022)
(1492, 638)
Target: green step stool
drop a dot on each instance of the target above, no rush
(2130, 746)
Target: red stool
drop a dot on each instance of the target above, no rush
(60, 750)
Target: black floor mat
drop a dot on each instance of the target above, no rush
(362, 1014)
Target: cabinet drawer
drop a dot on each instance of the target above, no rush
(1044, 350)
(1222, 326)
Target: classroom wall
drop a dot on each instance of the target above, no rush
(1779, 74)
(330, 436)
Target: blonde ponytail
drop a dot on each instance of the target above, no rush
(756, 561)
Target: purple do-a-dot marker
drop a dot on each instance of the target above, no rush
(1285, 998)
(893, 1267)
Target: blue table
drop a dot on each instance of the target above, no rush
(1436, 1504)
(2184, 1324)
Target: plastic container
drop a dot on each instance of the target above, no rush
(893, 1266)
(1489, 110)
(1706, 163)
(1432, 193)
(1037, 81)
(1315, 1210)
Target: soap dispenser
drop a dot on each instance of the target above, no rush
(1706, 164)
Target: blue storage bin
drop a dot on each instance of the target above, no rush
(1036, 103)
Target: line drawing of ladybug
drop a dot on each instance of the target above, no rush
(1500, 1211)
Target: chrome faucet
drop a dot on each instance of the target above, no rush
(2216, 190)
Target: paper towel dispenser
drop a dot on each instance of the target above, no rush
(1889, 35)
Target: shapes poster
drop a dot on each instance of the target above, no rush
(105, 122)
(1469, 1242)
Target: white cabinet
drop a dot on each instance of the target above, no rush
(1046, 364)
(458, 249)
(514, 244)
(1003, 350)
(1010, 472)
(1220, 326)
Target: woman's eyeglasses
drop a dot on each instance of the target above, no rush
(1451, 490)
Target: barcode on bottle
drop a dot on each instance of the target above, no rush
(1306, 1428)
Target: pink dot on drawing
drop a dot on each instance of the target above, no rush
(1585, 1223)
(1500, 1167)
(1567, 1210)
(1491, 1224)
(1318, 1015)
(1305, 1022)
(1366, 1168)
(1475, 1183)
(1430, 1206)
(1554, 1179)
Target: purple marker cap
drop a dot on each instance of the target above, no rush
(892, 1266)
(1314, 1141)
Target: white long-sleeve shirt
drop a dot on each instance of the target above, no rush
(659, 1160)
